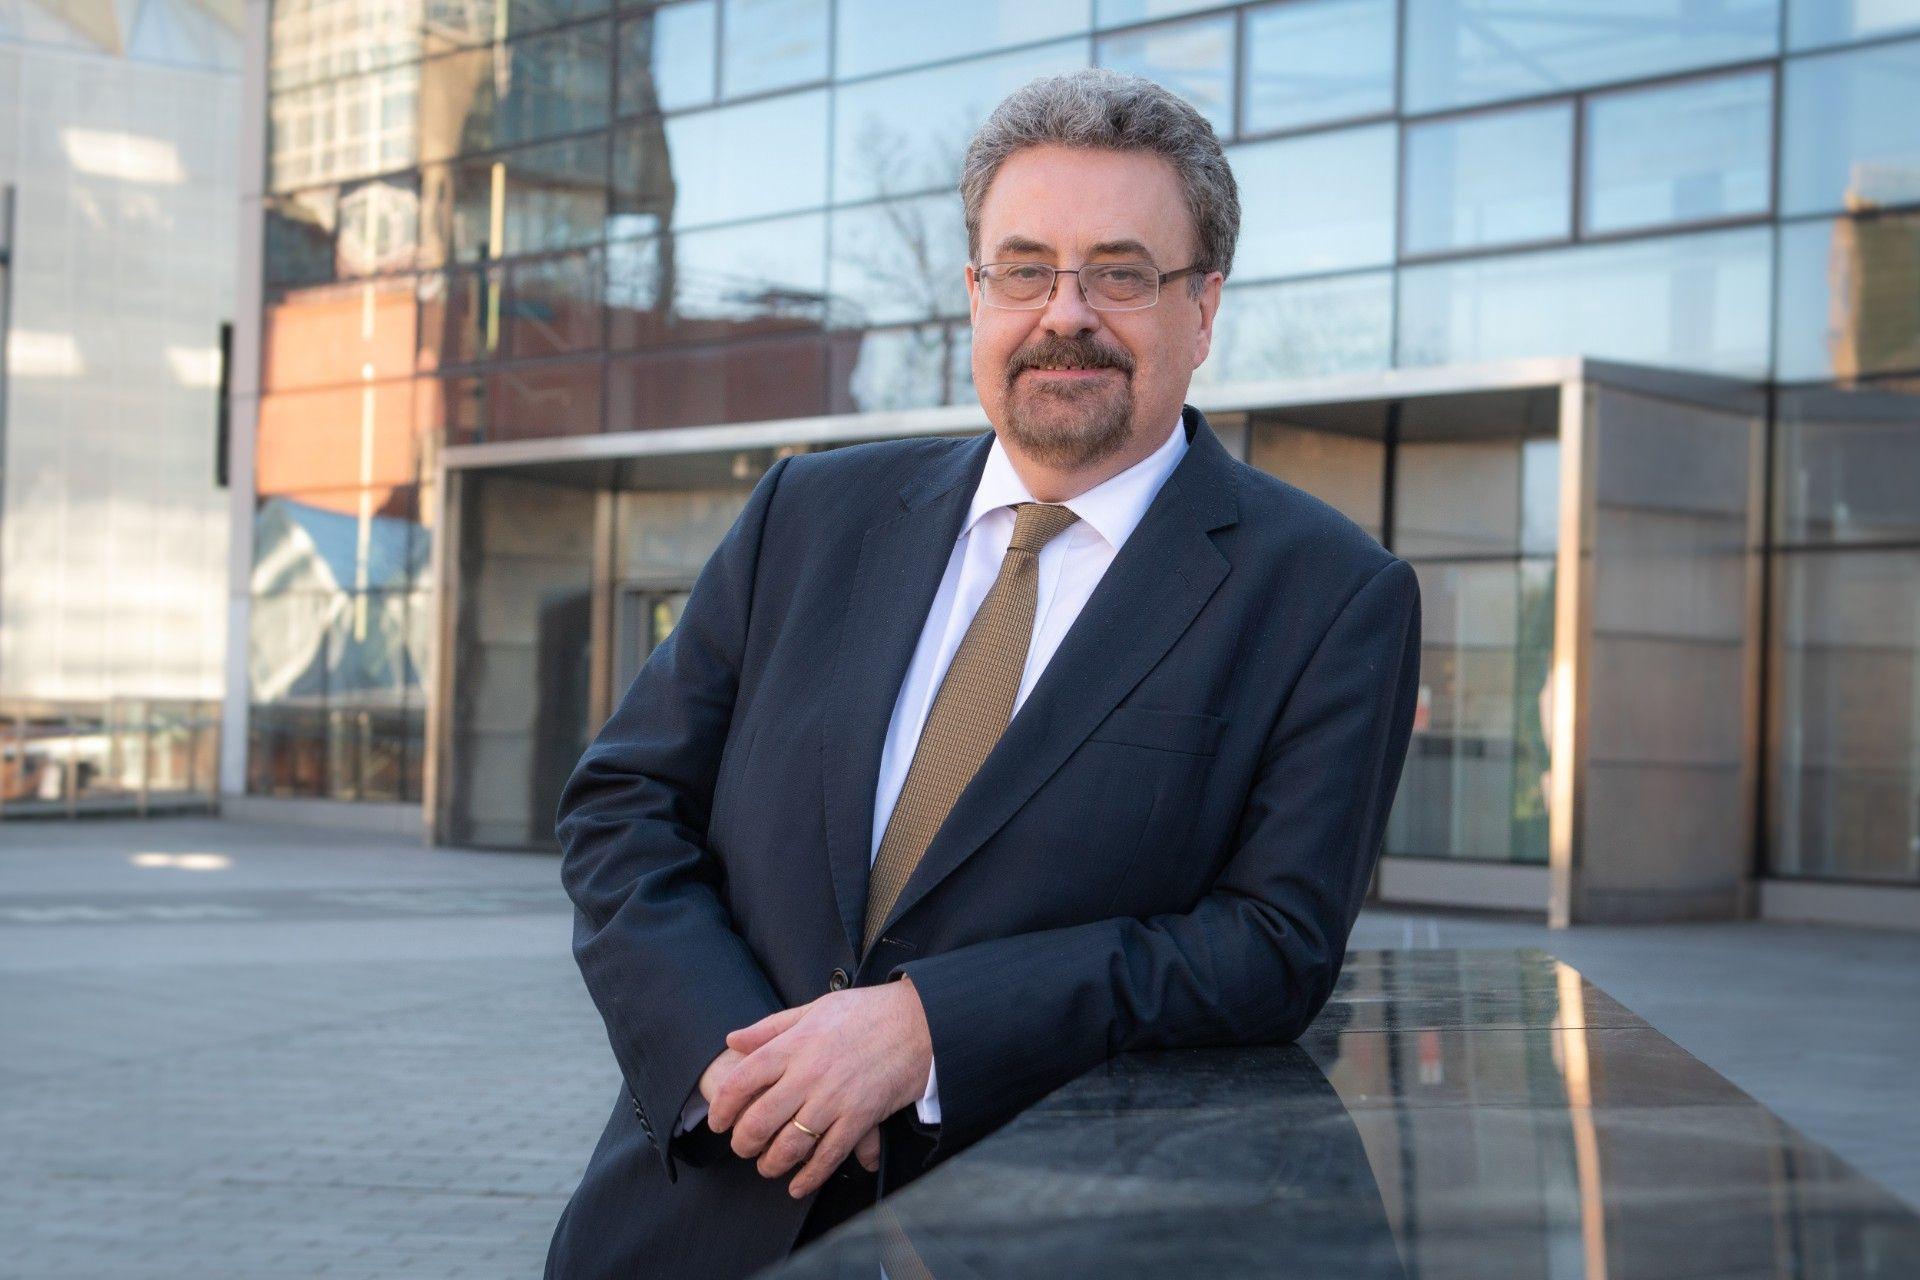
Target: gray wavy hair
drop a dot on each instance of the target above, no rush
(1101, 109)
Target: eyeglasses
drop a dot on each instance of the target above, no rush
(1107, 286)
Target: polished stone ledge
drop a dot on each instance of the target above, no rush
(1451, 1115)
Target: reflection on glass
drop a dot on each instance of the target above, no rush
(553, 305)
(1847, 464)
(535, 88)
(732, 382)
(1812, 23)
(1344, 467)
(1678, 153)
(1696, 301)
(1848, 306)
(337, 437)
(1462, 52)
(882, 35)
(1193, 59)
(342, 540)
(728, 282)
(1310, 61)
(1846, 790)
(379, 226)
(763, 157)
(331, 335)
(551, 196)
(898, 261)
(342, 129)
(460, 313)
(1850, 137)
(1475, 780)
(906, 133)
(1476, 497)
(1301, 329)
(462, 22)
(300, 245)
(667, 58)
(1112, 13)
(1325, 202)
(907, 368)
(543, 400)
(1488, 179)
(774, 43)
(310, 40)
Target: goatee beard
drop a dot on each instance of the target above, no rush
(1067, 435)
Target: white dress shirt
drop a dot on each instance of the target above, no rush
(1071, 566)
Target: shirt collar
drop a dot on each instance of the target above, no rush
(1111, 508)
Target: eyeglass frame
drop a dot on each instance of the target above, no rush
(1160, 283)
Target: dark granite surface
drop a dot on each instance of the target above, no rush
(1450, 1116)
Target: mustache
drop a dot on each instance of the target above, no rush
(1070, 352)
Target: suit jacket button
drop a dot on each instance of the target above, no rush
(838, 982)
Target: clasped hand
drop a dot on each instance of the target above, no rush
(839, 1065)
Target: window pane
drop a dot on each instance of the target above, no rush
(1811, 23)
(1684, 153)
(727, 282)
(1847, 785)
(1301, 330)
(325, 540)
(552, 196)
(908, 368)
(553, 305)
(667, 58)
(343, 129)
(733, 382)
(1851, 131)
(1848, 464)
(907, 133)
(1194, 59)
(1317, 203)
(1114, 13)
(479, 21)
(482, 99)
(748, 161)
(1462, 52)
(1314, 60)
(304, 43)
(1849, 297)
(1697, 302)
(300, 246)
(543, 400)
(1475, 779)
(774, 43)
(1498, 178)
(881, 35)
(898, 262)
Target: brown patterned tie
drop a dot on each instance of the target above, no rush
(969, 713)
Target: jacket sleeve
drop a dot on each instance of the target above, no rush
(651, 933)
(1014, 1018)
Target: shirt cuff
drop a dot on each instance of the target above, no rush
(928, 1107)
(692, 1114)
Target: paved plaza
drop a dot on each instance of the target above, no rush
(237, 1049)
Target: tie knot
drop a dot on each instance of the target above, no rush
(1035, 524)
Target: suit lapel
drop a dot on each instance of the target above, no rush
(902, 560)
(1165, 572)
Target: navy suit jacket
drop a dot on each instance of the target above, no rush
(1167, 847)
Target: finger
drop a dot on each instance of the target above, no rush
(761, 1122)
(790, 1148)
(867, 1151)
(754, 1073)
(827, 1156)
(747, 1039)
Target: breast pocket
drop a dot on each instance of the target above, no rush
(1187, 732)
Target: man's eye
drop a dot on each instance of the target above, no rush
(1128, 277)
(1026, 275)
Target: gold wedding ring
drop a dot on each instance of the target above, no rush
(802, 1128)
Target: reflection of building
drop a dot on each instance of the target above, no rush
(119, 125)
(656, 244)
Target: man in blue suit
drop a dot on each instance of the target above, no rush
(972, 762)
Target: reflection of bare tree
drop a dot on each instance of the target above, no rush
(910, 257)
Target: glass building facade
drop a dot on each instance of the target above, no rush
(118, 178)
(490, 225)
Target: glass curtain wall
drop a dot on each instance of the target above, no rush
(510, 220)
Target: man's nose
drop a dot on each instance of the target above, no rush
(1067, 311)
